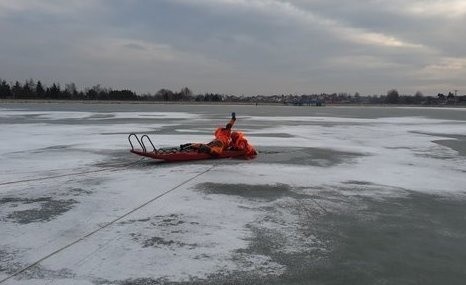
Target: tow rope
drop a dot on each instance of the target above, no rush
(69, 174)
(105, 225)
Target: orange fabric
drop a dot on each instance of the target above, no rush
(223, 135)
(221, 142)
(216, 147)
(216, 150)
(239, 142)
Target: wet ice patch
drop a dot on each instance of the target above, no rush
(32, 210)
(175, 224)
(425, 226)
(457, 145)
(305, 156)
(155, 115)
(66, 115)
(49, 115)
(8, 261)
(282, 227)
(261, 192)
(346, 120)
(263, 266)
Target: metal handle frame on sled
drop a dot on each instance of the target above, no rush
(141, 142)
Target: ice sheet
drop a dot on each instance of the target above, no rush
(193, 232)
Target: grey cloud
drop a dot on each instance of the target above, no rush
(241, 47)
(135, 46)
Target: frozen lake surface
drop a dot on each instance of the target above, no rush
(337, 195)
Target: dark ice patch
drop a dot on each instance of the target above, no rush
(40, 272)
(143, 281)
(126, 222)
(159, 220)
(357, 182)
(101, 116)
(167, 221)
(270, 242)
(79, 191)
(417, 238)
(458, 145)
(157, 242)
(160, 242)
(49, 149)
(45, 209)
(305, 156)
(52, 148)
(8, 263)
(275, 135)
(163, 225)
(267, 192)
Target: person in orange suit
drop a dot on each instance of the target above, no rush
(239, 142)
(219, 144)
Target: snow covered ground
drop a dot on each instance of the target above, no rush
(330, 199)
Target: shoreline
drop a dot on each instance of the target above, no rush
(47, 101)
(90, 102)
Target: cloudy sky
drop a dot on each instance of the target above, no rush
(238, 46)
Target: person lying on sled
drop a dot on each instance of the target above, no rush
(219, 144)
(239, 142)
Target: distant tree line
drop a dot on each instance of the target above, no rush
(31, 89)
(36, 90)
(184, 94)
